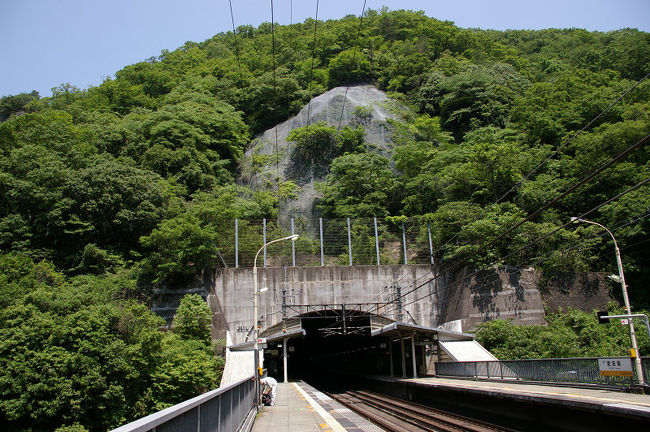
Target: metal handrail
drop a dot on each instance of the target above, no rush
(161, 417)
(576, 370)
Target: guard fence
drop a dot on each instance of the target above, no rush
(326, 242)
(220, 410)
(564, 370)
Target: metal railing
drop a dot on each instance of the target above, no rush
(325, 242)
(564, 370)
(220, 410)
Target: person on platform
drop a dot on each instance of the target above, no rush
(269, 387)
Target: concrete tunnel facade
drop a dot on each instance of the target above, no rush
(313, 318)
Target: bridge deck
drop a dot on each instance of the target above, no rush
(607, 401)
(301, 408)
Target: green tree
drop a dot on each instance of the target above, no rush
(359, 185)
(193, 318)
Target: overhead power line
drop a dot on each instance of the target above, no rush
(311, 73)
(540, 259)
(588, 177)
(354, 56)
(234, 32)
(552, 155)
(275, 96)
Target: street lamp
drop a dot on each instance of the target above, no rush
(255, 302)
(621, 278)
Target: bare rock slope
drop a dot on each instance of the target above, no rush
(269, 156)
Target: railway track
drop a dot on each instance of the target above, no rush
(397, 415)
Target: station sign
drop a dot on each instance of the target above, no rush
(615, 366)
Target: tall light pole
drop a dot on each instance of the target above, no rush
(255, 307)
(626, 300)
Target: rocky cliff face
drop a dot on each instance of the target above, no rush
(268, 159)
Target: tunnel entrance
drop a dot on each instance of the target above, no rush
(338, 345)
(335, 344)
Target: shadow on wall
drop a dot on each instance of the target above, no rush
(583, 291)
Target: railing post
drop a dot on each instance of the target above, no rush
(236, 243)
(264, 239)
(406, 261)
(376, 241)
(293, 246)
(430, 243)
(349, 242)
(322, 256)
(198, 418)
(219, 415)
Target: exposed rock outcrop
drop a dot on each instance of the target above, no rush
(269, 157)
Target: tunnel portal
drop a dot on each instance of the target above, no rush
(336, 344)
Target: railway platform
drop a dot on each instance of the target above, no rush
(597, 399)
(301, 408)
(524, 406)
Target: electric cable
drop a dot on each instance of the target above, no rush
(275, 97)
(234, 32)
(311, 73)
(638, 185)
(354, 56)
(552, 155)
(519, 269)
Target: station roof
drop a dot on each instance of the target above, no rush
(398, 328)
(269, 339)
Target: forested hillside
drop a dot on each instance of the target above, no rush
(109, 191)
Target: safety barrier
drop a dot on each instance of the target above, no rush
(325, 242)
(563, 370)
(220, 410)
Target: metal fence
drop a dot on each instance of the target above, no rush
(220, 410)
(325, 242)
(566, 370)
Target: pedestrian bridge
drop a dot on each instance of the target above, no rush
(509, 404)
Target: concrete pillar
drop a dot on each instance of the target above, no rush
(414, 359)
(284, 359)
(423, 359)
(401, 345)
(390, 350)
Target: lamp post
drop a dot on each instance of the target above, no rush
(256, 292)
(626, 300)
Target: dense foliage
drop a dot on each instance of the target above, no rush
(107, 191)
(74, 350)
(572, 333)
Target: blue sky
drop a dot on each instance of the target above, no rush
(49, 42)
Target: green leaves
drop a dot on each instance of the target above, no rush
(572, 333)
(193, 319)
(72, 355)
(348, 193)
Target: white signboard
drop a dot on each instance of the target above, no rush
(261, 340)
(615, 366)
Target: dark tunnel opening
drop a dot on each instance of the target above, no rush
(334, 351)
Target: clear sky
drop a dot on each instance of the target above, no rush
(49, 42)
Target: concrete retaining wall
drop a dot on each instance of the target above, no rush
(459, 301)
